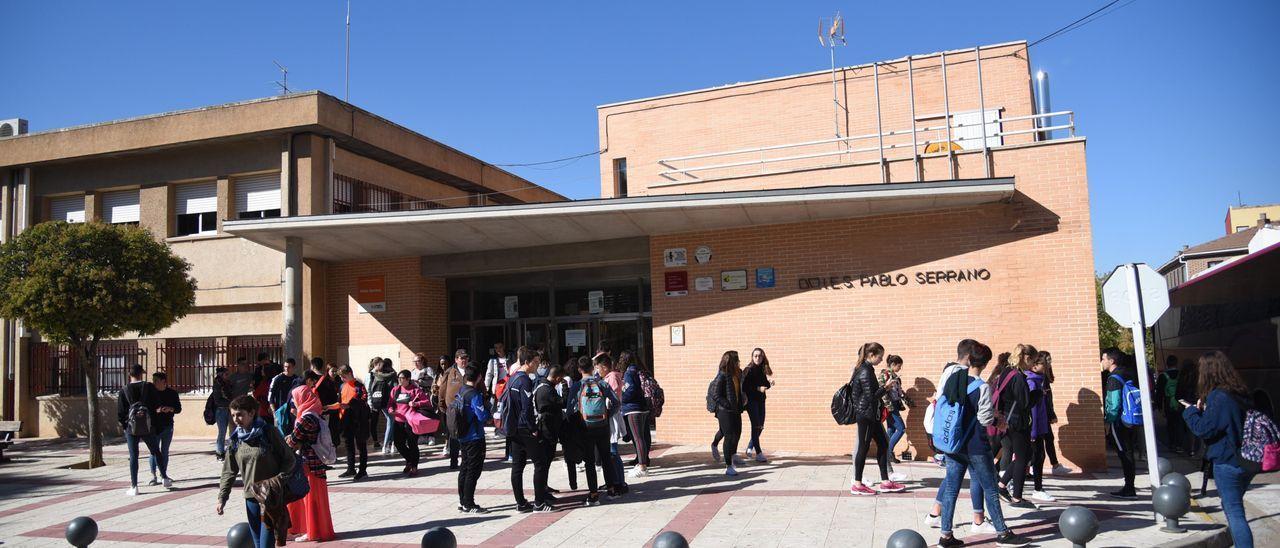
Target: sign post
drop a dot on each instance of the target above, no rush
(1136, 296)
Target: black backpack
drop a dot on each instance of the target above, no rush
(380, 394)
(457, 417)
(843, 409)
(138, 419)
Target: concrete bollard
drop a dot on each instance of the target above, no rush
(670, 539)
(439, 537)
(1163, 467)
(1172, 502)
(1078, 524)
(906, 538)
(1179, 480)
(240, 536)
(82, 531)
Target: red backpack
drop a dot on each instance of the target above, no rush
(1001, 423)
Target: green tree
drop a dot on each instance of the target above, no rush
(83, 283)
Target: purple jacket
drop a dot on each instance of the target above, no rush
(1039, 414)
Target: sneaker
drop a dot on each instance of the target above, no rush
(360, 475)
(858, 488)
(897, 477)
(593, 499)
(949, 542)
(933, 521)
(507, 460)
(1126, 494)
(1010, 538)
(387, 452)
(1042, 496)
(153, 482)
(301, 538)
(1004, 495)
(168, 483)
(347, 474)
(715, 454)
(543, 507)
(431, 442)
(738, 460)
(524, 507)
(219, 456)
(638, 472)
(612, 493)
(985, 528)
(1060, 470)
(891, 487)
(131, 492)
(730, 471)
(474, 510)
(760, 458)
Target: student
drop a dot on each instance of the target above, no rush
(635, 410)
(1122, 436)
(355, 423)
(610, 463)
(591, 403)
(168, 404)
(327, 390)
(1040, 431)
(1189, 391)
(141, 392)
(264, 370)
(304, 396)
(383, 380)
(1058, 469)
(570, 437)
(241, 378)
(968, 352)
(447, 386)
(404, 397)
(1014, 409)
(257, 452)
(278, 396)
(471, 444)
(867, 403)
(221, 403)
(977, 412)
(549, 423)
(617, 423)
(309, 516)
(1217, 417)
(524, 444)
(893, 401)
(755, 384)
(333, 379)
(499, 366)
(727, 396)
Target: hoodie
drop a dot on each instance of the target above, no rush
(1039, 409)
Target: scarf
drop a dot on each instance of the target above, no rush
(306, 400)
(253, 435)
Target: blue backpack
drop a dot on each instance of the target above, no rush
(950, 430)
(1130, 402)
(592, 404)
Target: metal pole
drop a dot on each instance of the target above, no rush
(946, 116)
(835, 101)
(915, 148)
(1144, 385)
(982, 106)
(346, 93)
(879, 127)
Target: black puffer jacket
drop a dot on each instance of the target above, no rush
(727, 398)
(867, 393)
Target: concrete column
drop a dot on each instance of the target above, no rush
(92, 206)
(292, 284)
(226, 199)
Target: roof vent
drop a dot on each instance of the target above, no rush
(12, 127)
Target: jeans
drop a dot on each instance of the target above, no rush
(391, 428)
(618, 477)
(755, 412)
(870, 430)
(153, 446)
(451, 446)
(976, 493)
(984, 474)
(222, 416)
(263, 536)
(1232, 483)
(469, 474)
(165, 437)
(894, 428)
(731, 427)
(638, 423)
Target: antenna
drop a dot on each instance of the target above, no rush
(831, 36)
(283, 82)
(346, 94)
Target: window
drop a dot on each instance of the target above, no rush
(121, 208)
(1213, 264)
(620, 177)
(197, 208)
(258, 197)
(1241, 228)
(69, 209)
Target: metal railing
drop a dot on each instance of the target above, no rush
(56, 369)
(351, 195)
(191, 363)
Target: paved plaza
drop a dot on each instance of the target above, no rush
(795, 500)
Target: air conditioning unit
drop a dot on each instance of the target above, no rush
(13, 126)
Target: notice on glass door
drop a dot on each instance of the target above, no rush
(575, 338)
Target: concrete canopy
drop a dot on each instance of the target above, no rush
(367, 236)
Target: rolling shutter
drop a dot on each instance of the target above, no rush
(197, 198)
(121, 207)
(258, 193)
(69, 209)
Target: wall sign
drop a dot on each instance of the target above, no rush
(511, 307)
(595, 301)
(575, 338)
(704, 283)
(765, 277)
(371, 294)
(677, 335)
(733, 280)
(676, 283)
(676, 256)
(897, 279)
(702, 254)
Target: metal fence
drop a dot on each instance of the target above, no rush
(56, 369)
(352, 195)
(191, 364)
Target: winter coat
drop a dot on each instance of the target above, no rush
(867, 393)
(728, 398)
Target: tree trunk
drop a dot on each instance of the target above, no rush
(90, 367)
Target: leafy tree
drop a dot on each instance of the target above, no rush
(83, 283)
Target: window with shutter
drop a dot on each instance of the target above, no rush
(67, 208)
(196, 206)
(258, 196)
(121, 207)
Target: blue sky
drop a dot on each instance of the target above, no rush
(1178, 99)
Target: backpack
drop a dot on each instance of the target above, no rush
(950, 430)
(1259, 443)
(324, 443)
(843, 409)
(546, 425)
(1001, 423)
(711, 397)
(1171, 392)
(138, 419)
(502, 424)
(210, 411)
(1130, 402)
(457, 417)
(593, 407)
(653, 393)
(380, 394)
(297, 486)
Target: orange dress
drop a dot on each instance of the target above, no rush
(310, 515)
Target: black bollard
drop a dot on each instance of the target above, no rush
(1174, 478)
(439, 537)
(1172, 502)
(906, 538)
(1078, 525)
(82, 531)
(670, 539)
(240, 536)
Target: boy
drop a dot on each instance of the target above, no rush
(471, 444)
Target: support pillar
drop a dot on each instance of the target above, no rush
(292, 284)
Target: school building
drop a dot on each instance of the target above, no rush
(915, 202)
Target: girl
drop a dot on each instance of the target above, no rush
(355, 414)
(635, 410)
(1016, 401)
(1037, 381)
(756, 382)
(867, 405)
(1058, 468)
(310, 516)
(1217, 418)
(618, 424)
(893, 402)
(403, 398)
(383, 374)
(727, 394)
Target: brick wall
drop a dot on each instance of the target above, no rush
(415, 317)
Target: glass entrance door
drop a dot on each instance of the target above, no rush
(572, 339)
(620, 335)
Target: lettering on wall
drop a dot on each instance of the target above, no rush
(897, 279)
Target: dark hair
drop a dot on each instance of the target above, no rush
(345, 370)
(137, 371)
(1044, 358)
(980, 356)
(555, 370)
(290, 361)
(405, 374)
(729, 363)
(317, 362)
(585, 365)
(869, 349)
(310, 375)
(444, 358)
(1217, 373)
(524, 355)
(1002, 365)
(764, 361)
(245, 403)
(159, 376)
(219, 370)
(603, 358)
(965, 348)
(472, 373)
(262, 356)
(893, 359)
(1170, 361)
(1114, 354)
(542, 356)
(625, 360)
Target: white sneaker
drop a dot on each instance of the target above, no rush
(301, 538)
(749, 453)
(168, 483)
(715, 454)
(431, 442)
(1042, 496)
(1061, 470)
(638, 472)
(131, 492)
(933, 521)
(898, 477)
(730, 471)
(985, 528)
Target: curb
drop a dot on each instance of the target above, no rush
(1216, 538)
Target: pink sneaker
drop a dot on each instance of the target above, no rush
(891, 487)
(861, 490)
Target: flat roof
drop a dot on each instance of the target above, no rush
(365, 236)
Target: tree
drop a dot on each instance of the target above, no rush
(83, 283)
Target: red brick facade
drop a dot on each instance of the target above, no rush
(415, 315)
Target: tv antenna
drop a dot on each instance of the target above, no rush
(346, 91)
(831, 36)
(283, 82)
